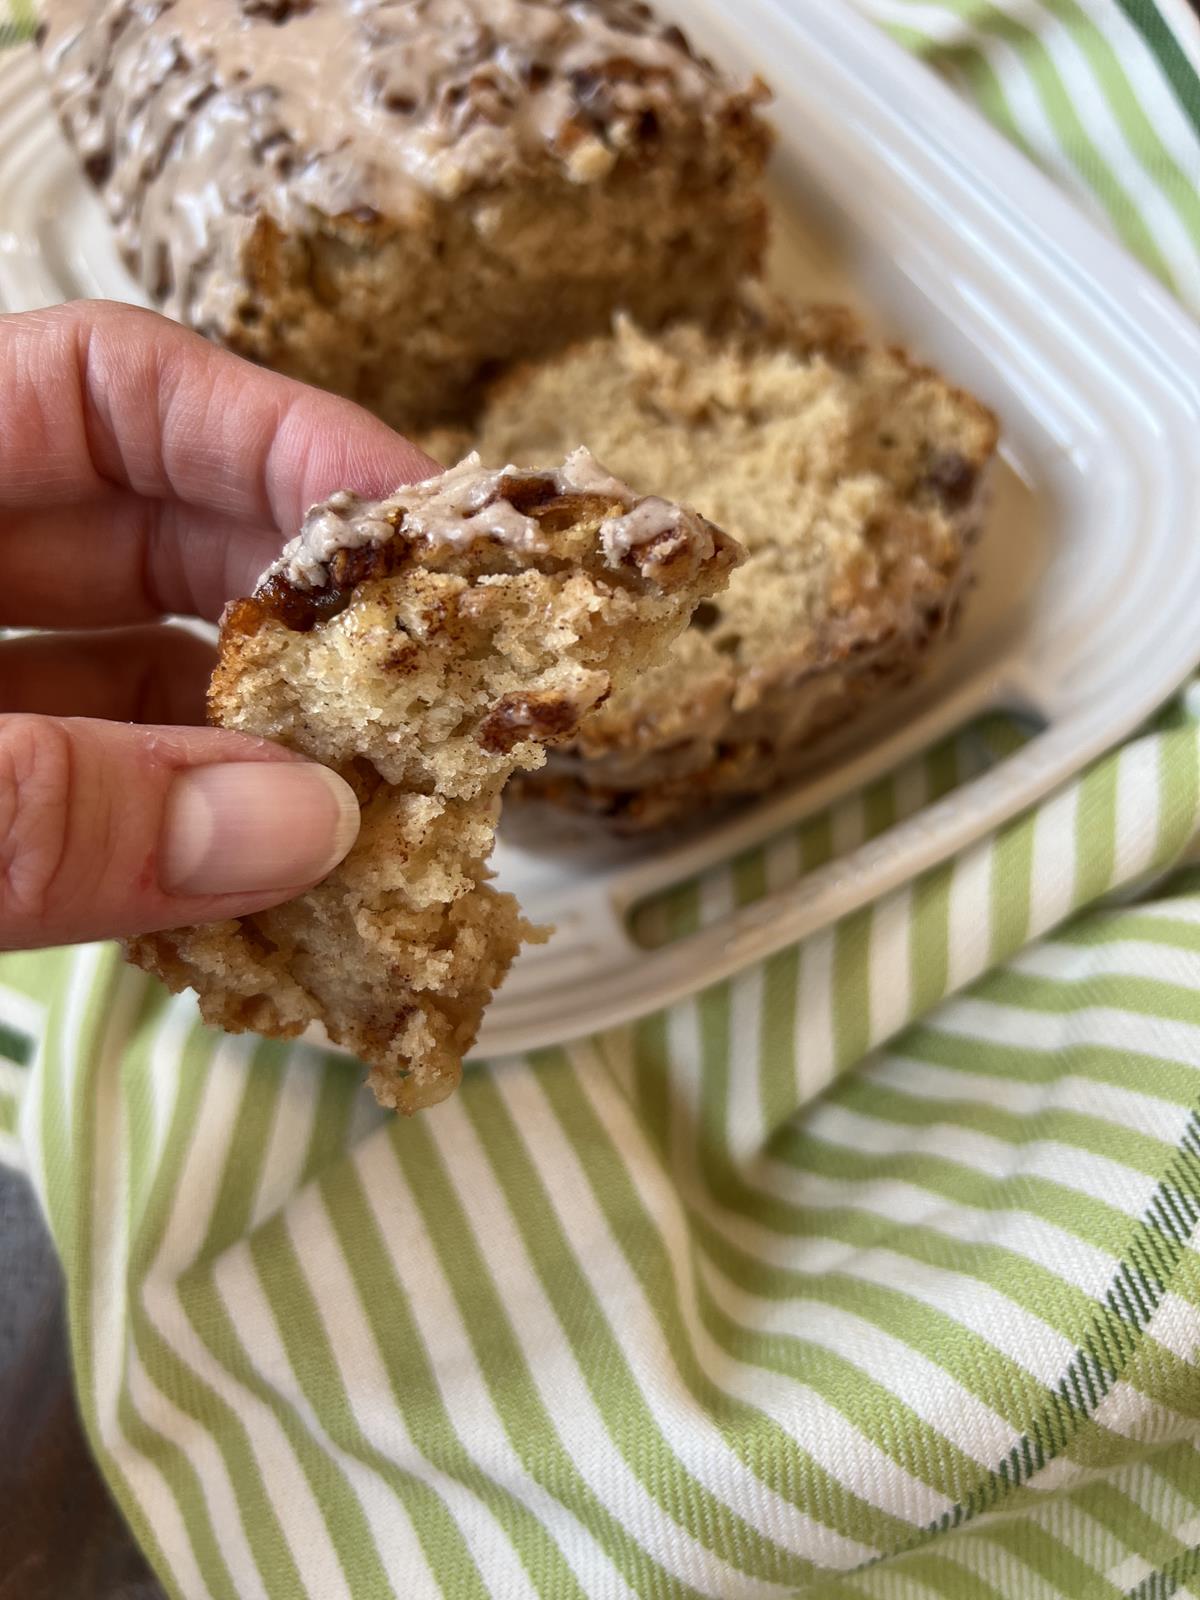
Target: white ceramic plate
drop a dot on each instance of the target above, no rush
(892, 194)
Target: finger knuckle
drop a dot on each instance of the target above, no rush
(35, 801)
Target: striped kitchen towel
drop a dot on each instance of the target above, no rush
(690, 1308)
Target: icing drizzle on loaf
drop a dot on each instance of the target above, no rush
(469, 505)
(359, 109)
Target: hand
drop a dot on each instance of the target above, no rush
(144, 473)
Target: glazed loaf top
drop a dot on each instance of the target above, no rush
(359, 109)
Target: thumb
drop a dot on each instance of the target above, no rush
(108, 829)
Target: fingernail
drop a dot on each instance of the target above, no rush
(253, 826)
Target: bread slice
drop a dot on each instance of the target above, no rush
(425, 646)
(853, 477)
(388, 199)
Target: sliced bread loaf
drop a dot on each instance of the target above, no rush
(853, 476)
(386, 199)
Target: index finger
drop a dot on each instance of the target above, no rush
(102, 403)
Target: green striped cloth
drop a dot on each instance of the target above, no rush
(690, 1309)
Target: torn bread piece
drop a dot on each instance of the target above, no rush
(425, 646)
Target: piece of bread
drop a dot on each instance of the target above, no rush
(853, 477)
(425, 646)
(387, 199)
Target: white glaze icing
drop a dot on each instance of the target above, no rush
(467, 504)
(649, 519)
(350, 108)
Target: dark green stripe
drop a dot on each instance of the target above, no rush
(1025, 1402)
(1169, 1579)
(1178, 70)
(1116, 1346)
(15, 1046)
(1059, 1417)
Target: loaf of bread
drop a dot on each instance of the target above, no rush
(389, 197)
(426, 646)
(853, 477)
